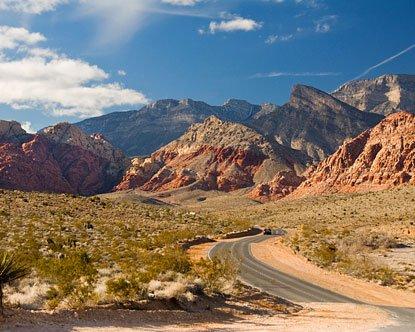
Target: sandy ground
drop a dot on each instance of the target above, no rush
(275, 254)
(200, 251)
(323, 317)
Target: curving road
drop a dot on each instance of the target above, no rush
(260, 275)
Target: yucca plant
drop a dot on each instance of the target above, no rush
(10, 270)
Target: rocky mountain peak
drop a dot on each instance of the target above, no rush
(66, 133)
(307, 97)
(11, 131)
(164, 104)
(384, 95)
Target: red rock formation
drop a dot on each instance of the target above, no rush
(282, 185)
(379, 158)
(214, 155)
(39, 163)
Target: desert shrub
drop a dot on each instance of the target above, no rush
(166, 238)
(130, 288)
(174, 286)
(379, 241)
(363, 267)
(325, 254)
(171, 259)
(72, 277)
(217, 275)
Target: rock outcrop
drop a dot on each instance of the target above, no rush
(213, 155)
(11, 131)
(65, 133)
(283, 184)
(379, 158)
(384, 95)
(61, 159)
(313, 122)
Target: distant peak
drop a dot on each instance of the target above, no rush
(164, 103)
(237, 103)
(11, 130)
(305, 92)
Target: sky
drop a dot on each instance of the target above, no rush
(66, 60)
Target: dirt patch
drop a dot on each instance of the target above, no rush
(323, 317)
(275, 254)
(200, 251)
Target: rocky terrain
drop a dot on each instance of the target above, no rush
(313, 122)
(214, 155)
(60, 159)
(140, 133)
(384, 95)
(379, 158)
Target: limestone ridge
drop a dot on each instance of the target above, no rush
(313, 122)
(140, 133)
(384, 95)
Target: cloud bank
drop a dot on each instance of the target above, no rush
(32, 77)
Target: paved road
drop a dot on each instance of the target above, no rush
(259, 275)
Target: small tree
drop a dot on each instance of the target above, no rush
(10, 270)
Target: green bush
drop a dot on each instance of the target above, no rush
(218, 275)
(126, 289)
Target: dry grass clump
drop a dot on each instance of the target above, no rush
(70, 241)
(346, 252)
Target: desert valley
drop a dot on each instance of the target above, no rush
(110, 212)
(207, 165)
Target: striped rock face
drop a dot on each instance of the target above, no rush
(380, 158)
(213, 155)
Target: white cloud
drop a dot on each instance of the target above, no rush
(30, 6)
(181, 2)
(27, 126)
(272, 39)
(11, 37)
(233, 23)
(122, 72)
(40, 78)
(292, 74)
(325, 24)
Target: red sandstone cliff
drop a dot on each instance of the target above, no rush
(42, 163)
(379, 158)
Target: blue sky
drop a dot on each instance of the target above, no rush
(63, 60)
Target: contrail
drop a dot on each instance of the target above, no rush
(367, 71)
(281, 74)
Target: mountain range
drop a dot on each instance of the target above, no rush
(316, 143)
